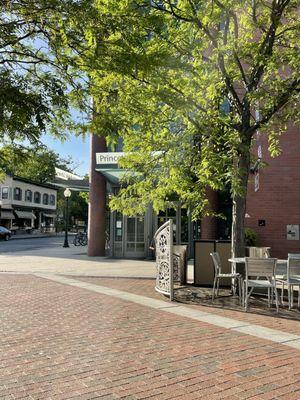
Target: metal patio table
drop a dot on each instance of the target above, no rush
(281, 267)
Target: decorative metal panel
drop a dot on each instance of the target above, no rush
(176, 267)
(164, 259)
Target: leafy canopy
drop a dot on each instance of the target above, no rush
(35, 86)
(180, 82)
(34, 163)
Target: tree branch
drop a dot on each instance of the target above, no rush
(282, 100)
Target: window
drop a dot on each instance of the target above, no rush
(52, 199)
(28, 195)
(164, 216)
(17, 193)
(5, 193)
(45, 198)
(37, 197)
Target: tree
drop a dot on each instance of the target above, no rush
(187, 84)
(35, 86)
(164, 73)
(34, 163)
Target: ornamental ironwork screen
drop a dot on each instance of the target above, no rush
(164, 259)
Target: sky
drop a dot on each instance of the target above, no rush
(76, 147)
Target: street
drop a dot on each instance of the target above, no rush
(31, 243)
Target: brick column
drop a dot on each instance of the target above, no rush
(97, 201)
(209, 224)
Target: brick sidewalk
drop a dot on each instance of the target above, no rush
(63, 342)
(145, 287)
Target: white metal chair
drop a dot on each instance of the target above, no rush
(219, 275)
(291, 279)
(260, 273)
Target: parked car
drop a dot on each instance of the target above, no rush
(4, 233)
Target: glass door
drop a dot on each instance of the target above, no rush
(118, 235)
(135, 237)
(163, 216)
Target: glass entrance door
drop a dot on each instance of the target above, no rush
(134, 237)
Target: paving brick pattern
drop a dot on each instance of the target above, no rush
(63, 342)
(286, 322)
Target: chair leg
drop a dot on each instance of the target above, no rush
(299, 296)
(239, 280)
(243, 293)
(246, 296)
(269, 303)
(218, 285)
(234, 286)
(289, 297)
(214, 288)
(292, 296)
(282, 291)
(276, 298)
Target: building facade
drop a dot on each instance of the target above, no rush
(26, 205)
(273, 206)
(273, 199)
(131, 236)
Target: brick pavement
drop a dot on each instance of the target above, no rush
(286, 321)
(63, 342)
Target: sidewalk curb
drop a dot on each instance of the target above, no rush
(30, 236)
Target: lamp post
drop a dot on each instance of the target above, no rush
(67, 194)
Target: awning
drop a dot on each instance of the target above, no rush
(77, 185)
(113, 175)
(7, 215)
(49, 215)
(25, 214)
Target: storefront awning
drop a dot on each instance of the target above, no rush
(113, 175)
(49, 215)
(7, 215)
(77, 185)
(25, 214)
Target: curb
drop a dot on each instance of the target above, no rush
(34, 237)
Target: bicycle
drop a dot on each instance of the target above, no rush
(80, 239)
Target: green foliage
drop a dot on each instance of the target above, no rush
(161, 76)
(35, 86)
(34, 163)
(251, 237)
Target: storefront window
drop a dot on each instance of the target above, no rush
(118, 227)
(52, 200)
(37, 197)
(45, 198)
(5, 192)
(28, 195)
(164, 216)
(17, 194)
(196, 230)
(184, 226)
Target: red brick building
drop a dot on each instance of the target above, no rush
(273, 203)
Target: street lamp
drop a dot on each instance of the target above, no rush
(67, 194)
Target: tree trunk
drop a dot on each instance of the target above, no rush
(239, 208)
